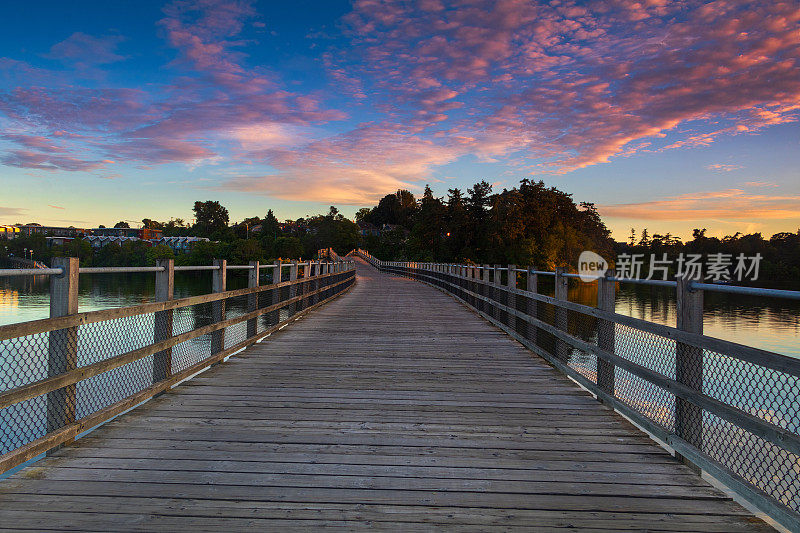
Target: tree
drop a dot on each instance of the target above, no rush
(152, 224)
(122, 224)
(176, 227)
(158, 253)
(477, 204)
(362, 214)
(645, 239)
(210, 218)
(428, 230)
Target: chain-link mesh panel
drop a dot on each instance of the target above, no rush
(762, 463)
(763, 392)
(22, 422)
(23, 360)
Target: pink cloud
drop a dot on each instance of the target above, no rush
(189, 121)
(82, 50)
(585, 82)
(45, 161)
(351, 168)
(723, 167)
(12, 211)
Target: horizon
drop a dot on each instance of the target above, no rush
(667, 116)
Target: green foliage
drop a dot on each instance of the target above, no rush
(211, 219)
(288, 247)
(159, 252)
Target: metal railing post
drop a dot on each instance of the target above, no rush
(606, 296)
(561, 293)
(689, 363)
(218, 283)
(62, 354)
(165, 289)
(253, 281)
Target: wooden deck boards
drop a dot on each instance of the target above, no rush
(393, 407)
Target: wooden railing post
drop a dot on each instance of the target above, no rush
(606, 297)
(689, 363)
(532, 306)
(511, 283)
(165, 289)
(561, 293)
(62, 354)
(273, 317)
(253, 281)
(218, 284)
(317, 281)
(304, 287)
(293, 287)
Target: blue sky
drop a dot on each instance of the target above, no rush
(666, 115)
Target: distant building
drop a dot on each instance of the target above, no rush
(145, 234)
(9, 232)
(393, 227)
(58, 241)
(368, 229)
(180, 244)
(98, 241)
(52, 231)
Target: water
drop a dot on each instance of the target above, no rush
(28, 298)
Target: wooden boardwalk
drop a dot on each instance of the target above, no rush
(393, 407)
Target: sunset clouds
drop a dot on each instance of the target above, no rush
(409, 87)
(729, 204)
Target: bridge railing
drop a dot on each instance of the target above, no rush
(64, 375)
(729, 409)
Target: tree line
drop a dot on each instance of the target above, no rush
(528, 225)
(531, 224)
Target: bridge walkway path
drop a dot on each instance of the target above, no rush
(391, 407)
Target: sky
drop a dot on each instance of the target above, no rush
(668, 115)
